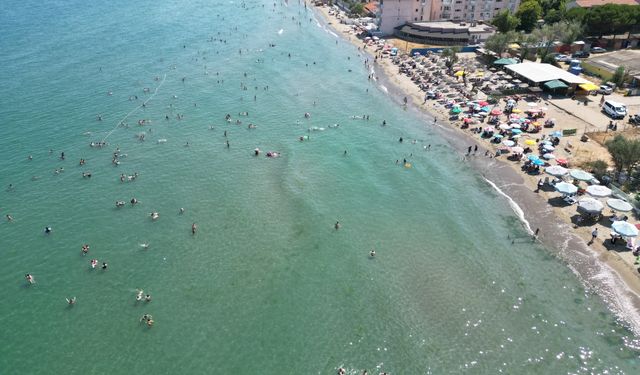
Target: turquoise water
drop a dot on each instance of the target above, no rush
(266, 285)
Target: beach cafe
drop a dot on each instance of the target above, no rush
(549, 77)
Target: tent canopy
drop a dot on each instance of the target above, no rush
(538, 73)
(555, 84)
(505, 62)
(588, 86)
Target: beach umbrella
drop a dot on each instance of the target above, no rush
(456, 110)
(504, 126)
(532, 104)
(516, 110)
(624, 228)
(516, 131)
(495, 112)
(556, 171)
(549, 156)
(590, 205)
(548, 148)
(598, 191)
(516, 136)
(530, 142)
(459, 73)
(499, 136)
(537, 162)
(485, 109)
(581, 175)
(557, 134)
(517, 150)
(566, 188)
(619, 205)
(483, 103)
(508, 143)
(533, 157)
(515, 125)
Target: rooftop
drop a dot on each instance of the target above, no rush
(593, 3)
(544, 72)
(452, 27)
(628, 58)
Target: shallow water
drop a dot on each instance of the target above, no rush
(267, 285)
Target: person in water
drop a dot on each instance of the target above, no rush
(71, 301)
(194, 228)
(47, 230)
(337, 225)
(147, 298)
(29, 278)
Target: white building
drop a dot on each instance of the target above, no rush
(472, 10)
(395, 13)
(398, 12)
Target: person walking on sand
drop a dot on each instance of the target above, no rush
(594, 235)
(540, 185)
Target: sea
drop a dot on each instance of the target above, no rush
(267, 284)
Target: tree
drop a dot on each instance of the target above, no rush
(505, 21)
(529, 12)
(357, 8)
(450, 56)
(498, 43)
(597, 167)
(624, 152)
(619, 76)
(570, 31)
(526, 41)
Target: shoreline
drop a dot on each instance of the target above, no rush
(594, 265)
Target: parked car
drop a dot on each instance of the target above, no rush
(598, 50)
(562, 58)
(605, 90)
(614, 109)
(581, 55)
(634, 119)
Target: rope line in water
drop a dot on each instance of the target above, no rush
(136, 108)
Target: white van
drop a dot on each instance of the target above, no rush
(614, 109)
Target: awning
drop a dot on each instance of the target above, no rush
(556, 84)
(505, 62)
(588, 86)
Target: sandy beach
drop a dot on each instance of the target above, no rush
(553, 221)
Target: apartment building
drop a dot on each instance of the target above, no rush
(398, 12)
(471, 10)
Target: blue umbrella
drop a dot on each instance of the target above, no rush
(625, 229)
(557, 134)
(533, 157)
(537, 162)
(485, 109)
(566, 188)
(516, 131)
(499, 136)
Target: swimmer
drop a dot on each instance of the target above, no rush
(181, 210)
(104, 265)
(140, 295)
(94, 263)
(85, 249)
(47, 230)
(194, 228)
(71, 301)
(144, 245)
(134, 201)
(120, 204)
(256, 152)
(337, 225)
(147, 298)
(154, 215)
(29, 278)
(372, 253)
(9, 217)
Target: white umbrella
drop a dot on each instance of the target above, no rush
(566, 188)
(504, 126)
(532, 104)
(624, 228)
(548, 147)
(590, 205)
(598, 191)
(556, 170)
(508, 143)
(579, 174)
(548, 156)
(619, 205)
(515, 126)
(517, 150)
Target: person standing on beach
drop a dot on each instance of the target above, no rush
(594, 235)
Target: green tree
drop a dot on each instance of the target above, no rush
(570, 31)
(529, 12)
(619, 76)
(526, 42)
(357, 8)
(597, 167)
(450, 56)
(498, 42)
(625, 153)
(505, 21)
